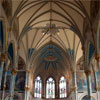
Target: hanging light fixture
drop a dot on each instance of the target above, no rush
(50, 29)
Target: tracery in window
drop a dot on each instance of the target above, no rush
(50, 88)
(62, 87)
(38, 87)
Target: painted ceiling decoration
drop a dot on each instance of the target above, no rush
(44, 21)
(51, 54)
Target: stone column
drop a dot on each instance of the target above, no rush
(75, 85)
(5, 76)
(1, 72)
(56, 89)
(12, 84)
(33, 90)
(43, 89)
(27, 85)
(2, 60)
(89, 86)
(96, 84)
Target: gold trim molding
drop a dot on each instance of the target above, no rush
(97, 88)
(88, 72)
(27, 88)
(74, 88)
(27, 70)
(14, 71)
(3, 57)
(97, 57)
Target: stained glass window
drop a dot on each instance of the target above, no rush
(38, 87)
(50, 88)
(62, 87)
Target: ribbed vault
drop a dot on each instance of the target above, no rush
(44, 21)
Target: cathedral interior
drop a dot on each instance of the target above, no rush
(49, 49)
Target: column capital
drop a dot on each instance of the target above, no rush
(74, 88)
(73, 71)
(97, 57)
(95, 70)
(14, 71)
(27, 70)
(11, 96)
(97, 88)
(87, 72)
(6, 70)
(4, 86)
(3, 57)
(26, 88)
(89, 96)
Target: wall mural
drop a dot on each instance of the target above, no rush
(98, 76)
(93, 82)
(8, 79)
(81, 81)
(20, 81)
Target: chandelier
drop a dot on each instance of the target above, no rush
(50, 29)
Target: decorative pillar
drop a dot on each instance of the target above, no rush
(5, 76)
(98, 60)
(75, 85)
(96, 84)
(27, 85)
(12, 84)
(89, 86)
(2, 60)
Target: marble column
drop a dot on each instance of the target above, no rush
(12, 84)
(89, 85)
(96, 85)
(75, 85)
(5, 76)
(26, 95)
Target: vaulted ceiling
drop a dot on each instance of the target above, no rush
(46, 22)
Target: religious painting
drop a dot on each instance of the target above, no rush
(93, 82)
(8, 80)
(20, 81)
(16, 97)
(98, 78)
(81, 81)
